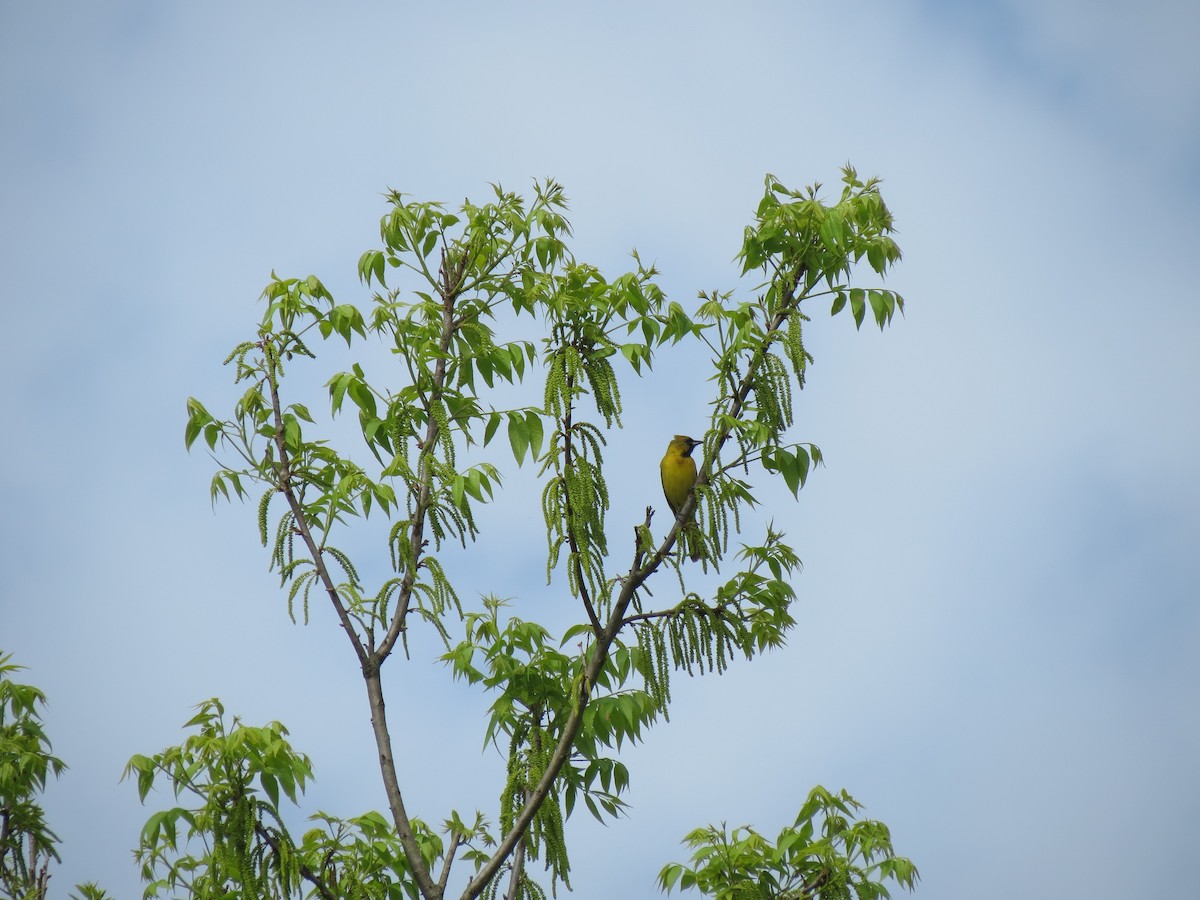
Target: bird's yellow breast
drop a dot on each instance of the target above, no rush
(678, 471)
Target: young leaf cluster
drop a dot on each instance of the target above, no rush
(805, 249)
(824, 854)
(234, 776)
(230, 840)
(27, 844)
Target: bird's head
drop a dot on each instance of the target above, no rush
(684, 444)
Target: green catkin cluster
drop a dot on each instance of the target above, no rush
(569, 367)
(291, 344)
(794, 342)
(561, 387)
(270, 355)
(700, 638)
(356, 605)
(693, 637)
(587, 497)
(552, 507)
(772, 387)
(344, 561)
(528, 759)
(238, 859)
(575, 501)
(263, 504)
(444, 516)
(714, 503)
(605, 392)
(574, 504)
(516, 784)
(586, 493)
(749, 615)
(527, 888)
(437, 523)
(283, 558)
(836, 888)
(303, 582)
(400, 545)
(381, 602)
(546, 829)
(651, 661)
(281, 553)
(440, 592)
(433, 598)
(239, 353)
(399, 426)
(445, 436)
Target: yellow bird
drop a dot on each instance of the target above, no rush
(678, 471)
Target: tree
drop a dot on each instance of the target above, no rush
(428, 460)
(27, 845)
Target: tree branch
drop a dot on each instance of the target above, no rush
(451, 278)
(302, 526)
(455, 840)
(391, 784)
(518, 866)
(810, 887)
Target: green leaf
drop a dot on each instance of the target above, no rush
(198, 417)
(518, 436)
(517, 355)
(501, 362)
(831, 230)
(858, 307)
(302, 412)
(879, 308)
(790, 468)
(573, 631)
(344, 319)
(362, 396)
(477, 483)
(291, 432)
(144, 766)
(429, 244)
(337, 389)
(371, 265)
(271, 786)
(535, 431)
(875, 257)
(489, 431)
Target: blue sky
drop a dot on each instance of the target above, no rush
(998, 644)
